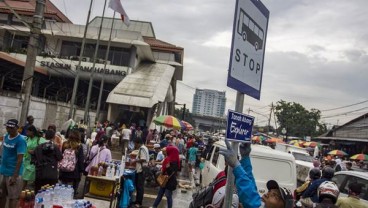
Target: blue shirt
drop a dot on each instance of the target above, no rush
(246, 185)
(11, 149)
(193, 154)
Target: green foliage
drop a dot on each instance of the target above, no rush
(178, 113)
(297, 120)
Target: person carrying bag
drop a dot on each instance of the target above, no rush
(167, 179)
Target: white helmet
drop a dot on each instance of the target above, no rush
(328, 189)
(218, 198)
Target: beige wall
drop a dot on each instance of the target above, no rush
(44, 111)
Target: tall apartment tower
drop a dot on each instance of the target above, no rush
(209, 103)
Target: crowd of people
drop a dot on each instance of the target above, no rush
(35, 158)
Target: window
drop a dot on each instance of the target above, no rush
(353, 179)
(215, 156)
(208, 156)
(339, 179)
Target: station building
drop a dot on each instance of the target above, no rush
(139, 77)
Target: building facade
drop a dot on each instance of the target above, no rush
(209, 103)
(136, 82)
(351, 137)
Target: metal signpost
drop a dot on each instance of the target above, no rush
(245, 67)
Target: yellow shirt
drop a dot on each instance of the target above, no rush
(350, 202)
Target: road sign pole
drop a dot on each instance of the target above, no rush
(235, 146)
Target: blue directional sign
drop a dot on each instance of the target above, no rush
(239, 126)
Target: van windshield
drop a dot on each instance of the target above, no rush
(302, 157)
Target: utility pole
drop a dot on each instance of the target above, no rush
(184, 109)
(103, 77)
(76, 80)
(86, 108)
(32, 52)
(269, 119)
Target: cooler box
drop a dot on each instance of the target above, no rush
(101, 187)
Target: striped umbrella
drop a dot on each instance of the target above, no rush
(275, 140)
(168, 121)
(310, 144)
(186, 126)
(337, 152)
(359, 157)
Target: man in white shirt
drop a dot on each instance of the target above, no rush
(126, 132)
(140, 166)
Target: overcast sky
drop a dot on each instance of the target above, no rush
(316, 52)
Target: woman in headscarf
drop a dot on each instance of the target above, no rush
(99, 153)
(170, 167)
(33, 140)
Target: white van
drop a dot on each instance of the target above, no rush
(267, 164)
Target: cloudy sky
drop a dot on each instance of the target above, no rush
(316, 52)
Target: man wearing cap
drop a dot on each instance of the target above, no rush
(353, 199)
(276, 197)
(14, 147)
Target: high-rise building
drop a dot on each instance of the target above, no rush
(209, 102)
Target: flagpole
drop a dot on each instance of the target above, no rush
(76, 80)
(86, 109)
(103, 77)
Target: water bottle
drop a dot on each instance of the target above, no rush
(47, 199)
(122, 165)
(71, 192)
(112, 171)
(108, 171)
(38, 203)
(117, 173)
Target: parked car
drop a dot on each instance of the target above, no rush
(267, 164)
(304, 162)
(344, 178)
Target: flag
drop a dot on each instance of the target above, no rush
(117, 7)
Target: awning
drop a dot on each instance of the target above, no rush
(7, 57)
(145, 87)
(343, 139)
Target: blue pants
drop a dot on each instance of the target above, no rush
(160, 194)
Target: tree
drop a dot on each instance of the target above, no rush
(297, 120)
(178, 113)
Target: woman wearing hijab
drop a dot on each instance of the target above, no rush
(170, 167)
(99, 153)
(33, 140)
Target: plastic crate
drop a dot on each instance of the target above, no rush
(101, 187)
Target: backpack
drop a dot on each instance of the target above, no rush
(69, 161)
(204, 196)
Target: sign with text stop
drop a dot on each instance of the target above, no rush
(248, 47)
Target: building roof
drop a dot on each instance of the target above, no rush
(364, 116)
(144, 28)
(161, 45)
(148, 85)
(27, 7)
(348, 133)
(7, 57)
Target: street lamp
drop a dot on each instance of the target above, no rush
(183, 114)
